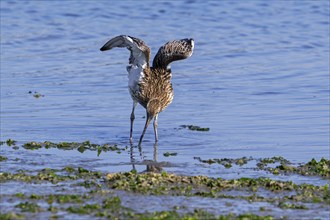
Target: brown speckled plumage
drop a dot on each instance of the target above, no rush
(151, 86)
(156, 85)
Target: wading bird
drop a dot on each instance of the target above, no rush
(151, 87)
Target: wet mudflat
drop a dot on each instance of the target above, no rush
(42, 188)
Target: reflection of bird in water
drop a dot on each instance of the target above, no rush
(152, 165)
(150, 86)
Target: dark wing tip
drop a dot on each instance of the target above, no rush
(190, 41)
(118, 41)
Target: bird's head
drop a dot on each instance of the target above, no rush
(153, 108)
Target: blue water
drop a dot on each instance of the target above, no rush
(258, 78)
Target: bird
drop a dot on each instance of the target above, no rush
(150, 86)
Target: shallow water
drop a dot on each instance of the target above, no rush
(258, 78)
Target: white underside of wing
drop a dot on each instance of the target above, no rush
(135, 75)
(135, 69)
(138, 55)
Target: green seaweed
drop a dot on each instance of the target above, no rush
(10, 142)
(35, 196)
(32, 145)
(111, 208)
(2, 158)
(36, 94)
(11, 216)
(66, 198)
(316, 168)
(167, 154)
(311, 168)
(100, 200)
(84, 209)
(195, 128)
(81, 147)
(286, 205)
(170, 184)
(111, 203)
(226, 162)
(195, 215)
(29, 207)
(51, 175)
(20, 195)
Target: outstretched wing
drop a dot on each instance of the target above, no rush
(172, 51)
(140, 52)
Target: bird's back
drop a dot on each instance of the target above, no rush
(156, 85)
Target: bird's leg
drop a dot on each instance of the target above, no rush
(155, 152)
(155, 128)
(145, 128)
(132, 120)
(132, 158)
